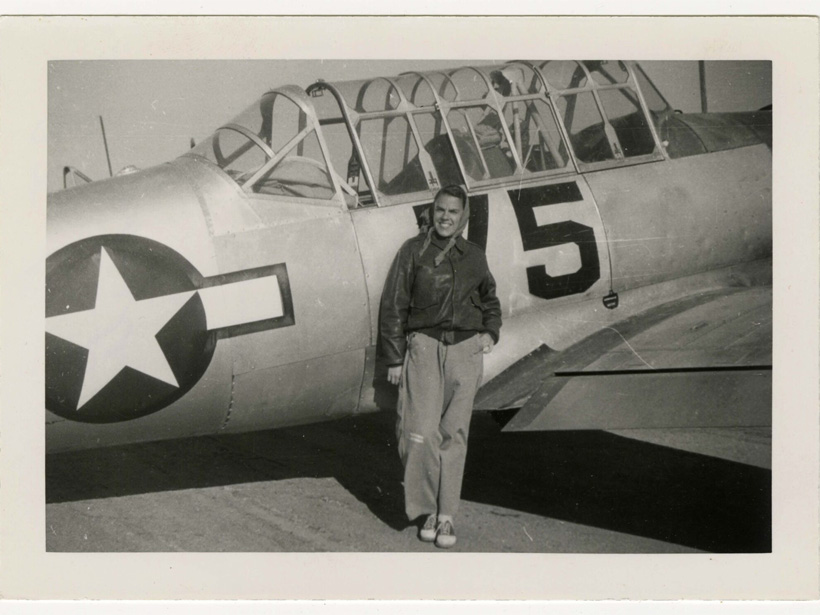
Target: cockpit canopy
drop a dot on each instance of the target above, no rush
(395, 139)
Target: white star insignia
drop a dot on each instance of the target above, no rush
(119, 331)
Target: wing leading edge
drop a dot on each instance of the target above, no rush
(700, 361)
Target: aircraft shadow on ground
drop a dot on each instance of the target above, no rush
(587, 477)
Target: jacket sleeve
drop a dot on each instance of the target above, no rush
(395, 306)
(491, 306)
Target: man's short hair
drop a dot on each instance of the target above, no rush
(453, 190)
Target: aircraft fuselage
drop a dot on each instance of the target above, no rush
(195, 298)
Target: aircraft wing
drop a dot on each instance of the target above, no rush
(700, 361)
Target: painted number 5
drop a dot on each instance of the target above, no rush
(535, 237)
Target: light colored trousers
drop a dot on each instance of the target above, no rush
(438, 386)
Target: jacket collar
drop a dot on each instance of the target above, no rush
(461, 243)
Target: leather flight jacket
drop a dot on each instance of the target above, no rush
(450, 302)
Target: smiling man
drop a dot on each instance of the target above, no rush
(439, 315)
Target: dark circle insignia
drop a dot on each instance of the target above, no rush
(133, 367)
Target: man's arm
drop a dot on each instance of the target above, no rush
(395, 305)
(491, 306)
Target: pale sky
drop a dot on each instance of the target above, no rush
(152, 108)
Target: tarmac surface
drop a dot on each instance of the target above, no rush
(337, 487)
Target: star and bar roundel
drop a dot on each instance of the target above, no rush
(131, 325)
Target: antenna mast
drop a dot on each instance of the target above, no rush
(105, 143)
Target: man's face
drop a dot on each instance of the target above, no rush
(447, 213)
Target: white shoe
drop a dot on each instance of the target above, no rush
(445, 535)
(427, 533)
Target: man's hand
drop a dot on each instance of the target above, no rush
(394, 375)
(487, 342)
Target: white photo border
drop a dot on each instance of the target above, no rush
(791, 571)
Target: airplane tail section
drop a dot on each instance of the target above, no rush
(701, 361)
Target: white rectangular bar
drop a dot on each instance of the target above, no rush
(242, 302)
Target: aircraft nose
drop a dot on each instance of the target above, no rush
(157, 203)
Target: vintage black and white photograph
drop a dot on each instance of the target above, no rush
(226, 306)
(503, 305)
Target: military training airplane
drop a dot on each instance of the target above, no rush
(237, 287)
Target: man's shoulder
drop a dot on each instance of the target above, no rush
(414, 241)
(410, 246)
(472, 248)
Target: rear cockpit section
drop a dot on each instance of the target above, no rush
(601, 108)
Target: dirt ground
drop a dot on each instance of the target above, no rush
(337, 487)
